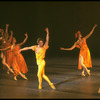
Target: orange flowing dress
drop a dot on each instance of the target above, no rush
(84, 51)
(19, 64)
(7, 53)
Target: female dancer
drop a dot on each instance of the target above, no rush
(84, 55)
(18, 62)
(40, 51)
(5, 42)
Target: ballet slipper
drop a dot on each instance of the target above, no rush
(52, 86)
(40, 87)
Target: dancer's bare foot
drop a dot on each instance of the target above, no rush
(24, 77)
(11, 70)
(83, 74)
(7, 72)
(15, 78)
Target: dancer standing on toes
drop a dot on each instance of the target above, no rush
(84, 55)
(18, 62)
(40, 51)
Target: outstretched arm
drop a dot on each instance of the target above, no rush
(47, 37)
(69, 48)
(91, 32)
(5, 48)
(24, 39)
(26, 48)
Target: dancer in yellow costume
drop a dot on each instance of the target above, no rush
(40, 51)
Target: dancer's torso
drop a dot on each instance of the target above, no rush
(40, 53)
(82, 45)
(15, 49)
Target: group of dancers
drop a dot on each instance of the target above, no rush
(14, 61)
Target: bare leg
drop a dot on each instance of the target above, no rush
(4, 63)
(23, 75)
(15, 76)
(84, 67)
(17, 71)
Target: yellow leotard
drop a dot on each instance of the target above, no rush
(41, 55)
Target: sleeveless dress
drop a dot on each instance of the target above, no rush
(84, 51)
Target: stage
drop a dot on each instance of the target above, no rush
(62, 71)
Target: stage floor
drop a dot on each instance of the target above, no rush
(62, 72)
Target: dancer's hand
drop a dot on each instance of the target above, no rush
(7, 25)
(47, 30)
(26, 34)
(95, 25)
(61, 48)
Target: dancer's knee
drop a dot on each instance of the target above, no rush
(44, 75)
(39, 75)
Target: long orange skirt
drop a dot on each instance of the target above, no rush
(9, 58)
(87, 58)
(19, 64)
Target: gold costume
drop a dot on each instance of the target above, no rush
(41, 65)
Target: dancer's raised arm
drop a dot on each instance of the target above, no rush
(7, 25)
(91, 32)
(24, 39)
(47, 37)
(69, 48)
(10, 39)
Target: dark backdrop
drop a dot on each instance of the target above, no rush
(63, 19)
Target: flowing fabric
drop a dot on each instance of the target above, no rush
(19, 63)
(84, 51)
